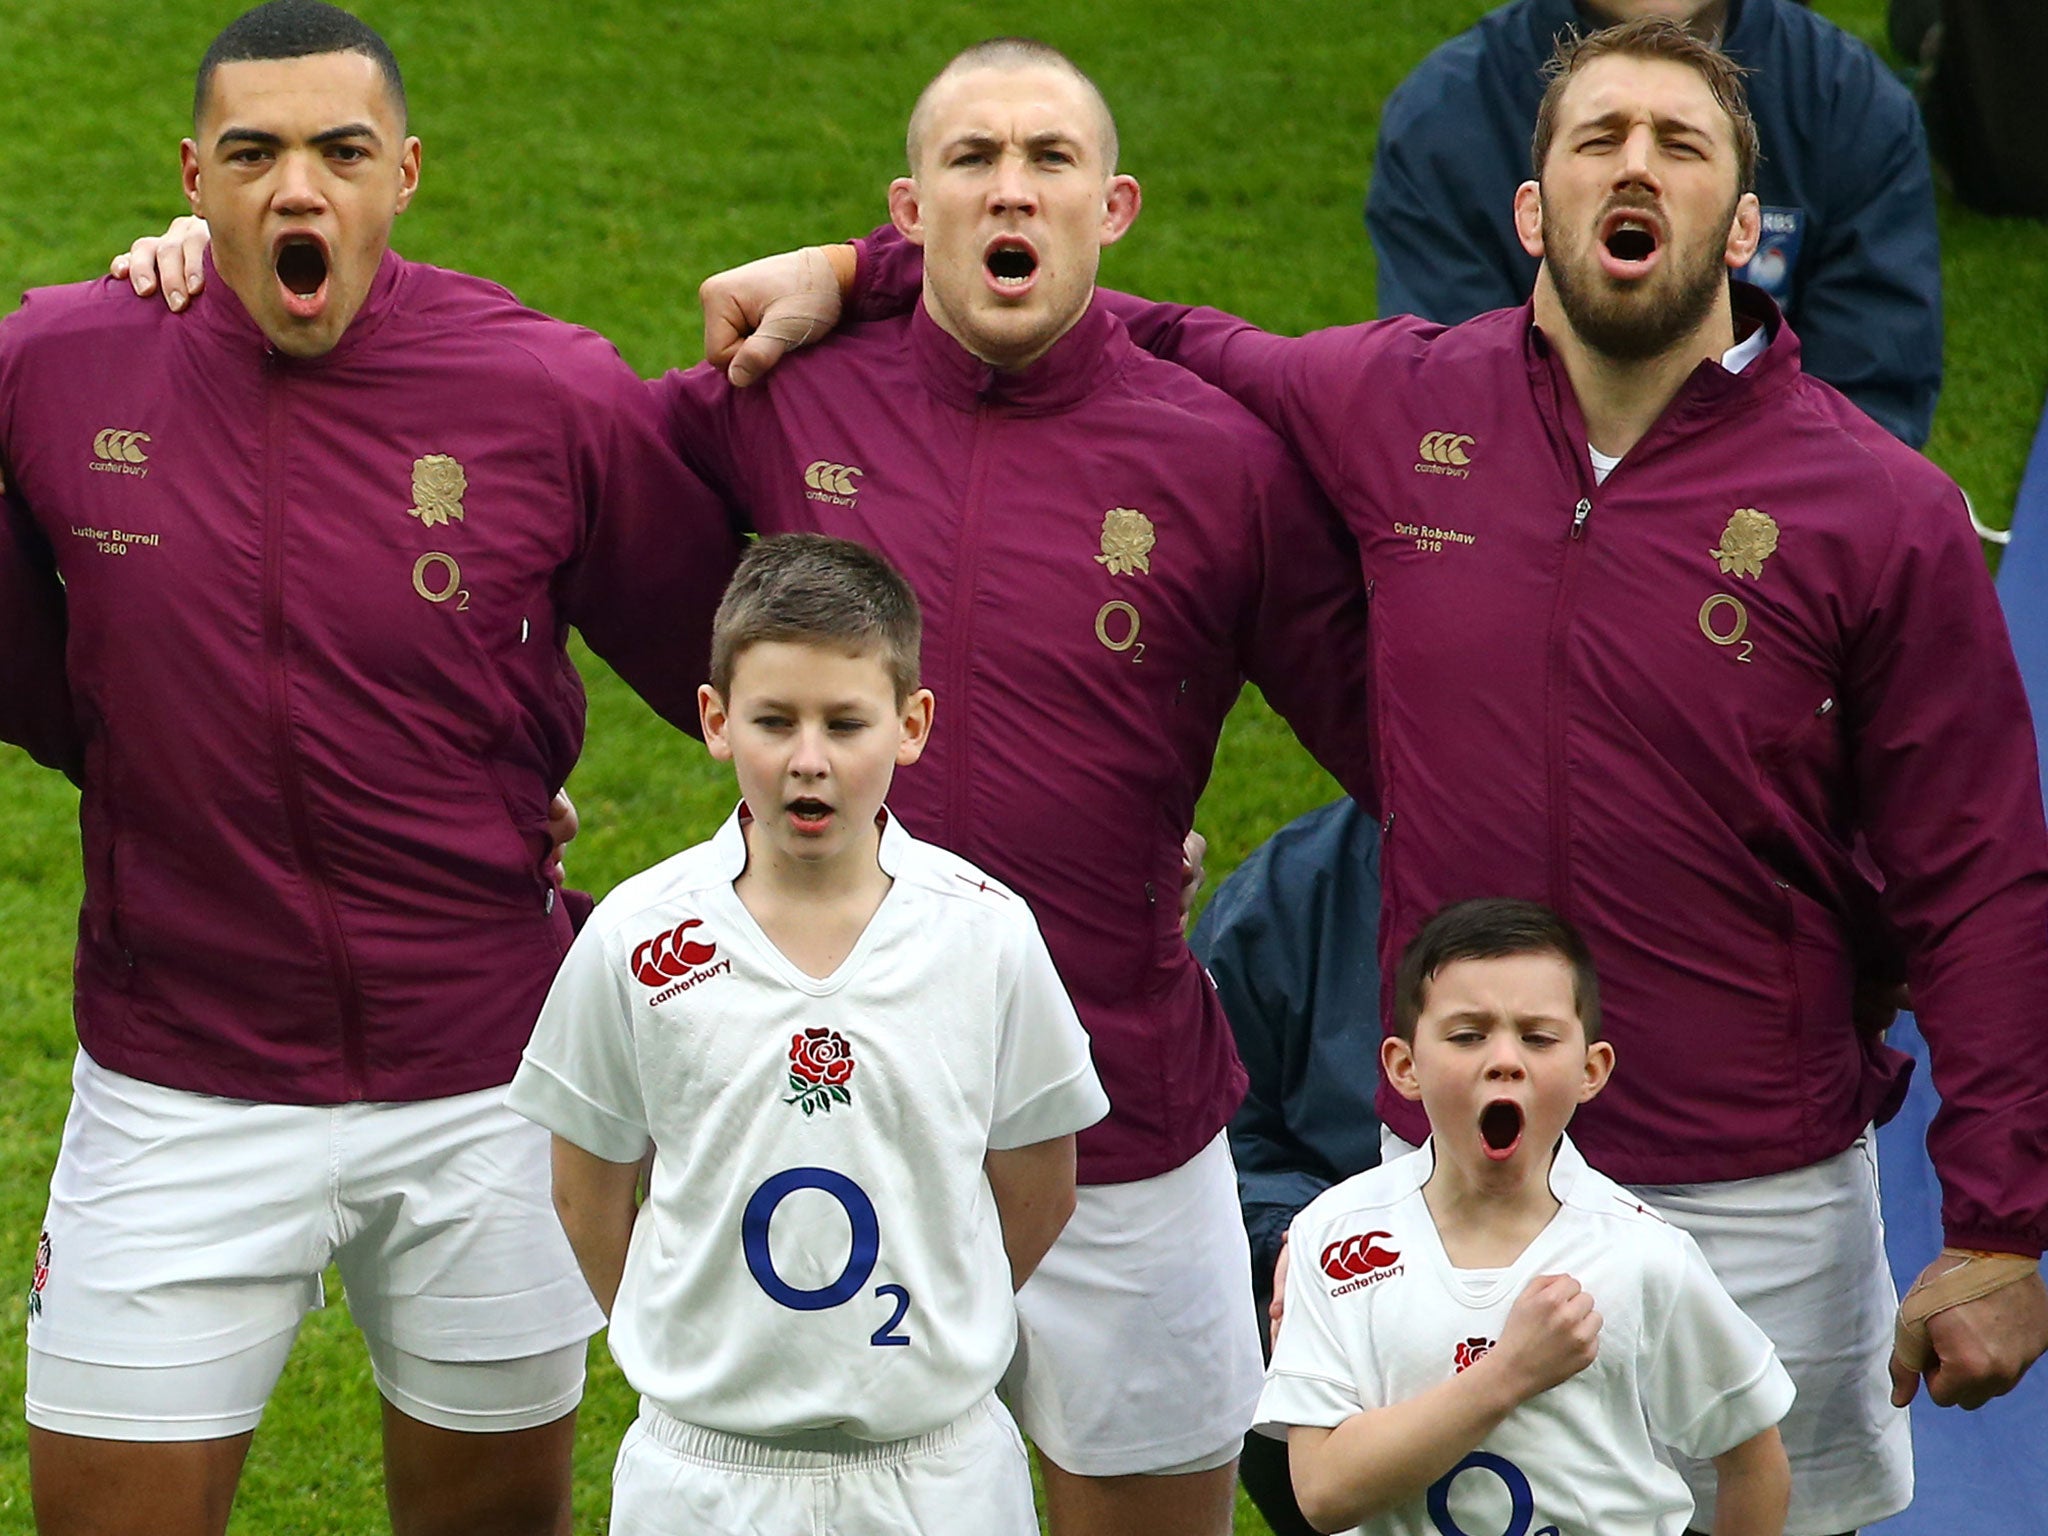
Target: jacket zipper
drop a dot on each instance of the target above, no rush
(965, 580)
(1560, 629)
(289, 778)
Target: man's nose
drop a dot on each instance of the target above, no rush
(1638, 151)
(1012, 190)
(298, 185)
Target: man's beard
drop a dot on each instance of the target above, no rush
(1631, 325)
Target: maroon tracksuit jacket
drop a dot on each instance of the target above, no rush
(1104, 547)
(317, 614)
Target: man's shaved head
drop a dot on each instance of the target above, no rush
(295, 29)
(1008, 53)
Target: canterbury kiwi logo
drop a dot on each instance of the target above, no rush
(1445, 448)
(113, 446)
(833, 479)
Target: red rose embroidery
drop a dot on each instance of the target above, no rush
(820, 1062)
(1470, 1352)
(42, 1277)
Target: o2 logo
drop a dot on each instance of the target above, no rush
(860, 1263)
(1521, 1498)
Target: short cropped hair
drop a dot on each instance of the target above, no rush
(813, 590)
(1492, 929)
(1651, 37)
(295, 29)
(1008, 53)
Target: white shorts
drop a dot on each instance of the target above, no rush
(1137, 1350)
(675, 1479)
(1803, 1254)
(186, 1236)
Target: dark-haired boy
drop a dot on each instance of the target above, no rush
(1439, 1369)
(860, 1078)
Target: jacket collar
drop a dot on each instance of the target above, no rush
(223, 318)
(1093, 351)
(1710, 394)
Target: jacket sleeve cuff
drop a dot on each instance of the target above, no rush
(2027, 1245)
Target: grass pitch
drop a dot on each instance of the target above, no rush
(599, 157)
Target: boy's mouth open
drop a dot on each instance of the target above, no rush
(1500, 1129)
(808, 815)
(301, 265)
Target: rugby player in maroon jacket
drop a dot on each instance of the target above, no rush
(1704, 687)
(321, 541)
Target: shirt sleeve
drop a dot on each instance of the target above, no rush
(1305, 646)
(1949, 796)
(1045, 1082)
(35, 695)
(580, 1075)
(1312, 1380)
(658, 548)
(1867, 309)
(1712, 1379)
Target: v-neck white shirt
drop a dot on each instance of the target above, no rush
(1376, 1314)
(868, 1291)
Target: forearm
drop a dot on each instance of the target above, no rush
(595, 1201)
(1753, 1486)
(1382, 1458)
(1034, 1192)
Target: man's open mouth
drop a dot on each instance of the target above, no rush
(1631, 239)
(1500, 1127)
(300, 262)
(1011, 263)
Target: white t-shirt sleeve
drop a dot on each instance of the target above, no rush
(1711, 1379)
(1045, 1084)
(580, 1075)
(1311, 1380)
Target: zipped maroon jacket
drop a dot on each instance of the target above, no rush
(317, 617)
(1689, 708)
(1104, 548)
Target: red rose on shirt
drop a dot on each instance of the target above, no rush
(821, 1056)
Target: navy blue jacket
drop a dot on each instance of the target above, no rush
(1291, 940)
(1850, 251)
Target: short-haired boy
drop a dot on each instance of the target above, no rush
(860, 1079)
(1442, 1368)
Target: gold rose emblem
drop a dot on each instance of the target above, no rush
(1747, 542)
(1127, 538)
(437, 486)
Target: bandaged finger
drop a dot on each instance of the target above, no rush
(1972, 1276)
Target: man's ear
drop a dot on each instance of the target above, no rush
(188, 164)
(712, 716)
(904, 209)
(1745, 230)
(1397, 1065)
(1529, 218)
(1121, 201)
(408, 172)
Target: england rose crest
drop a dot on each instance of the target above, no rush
(820, 1062)
(42, 1276)
(1470, 1352)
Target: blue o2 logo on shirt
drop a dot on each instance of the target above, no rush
(860, 1261)
(1521, 1498)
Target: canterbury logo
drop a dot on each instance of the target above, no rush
(1349, 1258)
(116, 447)
(833, 479)
(1445, 448)
(668, 955)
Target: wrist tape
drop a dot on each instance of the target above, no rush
(1975, 1274)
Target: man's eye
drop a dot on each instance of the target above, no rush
(248, 156)
(348, 154)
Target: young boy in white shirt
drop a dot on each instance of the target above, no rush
(1443, 1368)
(860, 1079)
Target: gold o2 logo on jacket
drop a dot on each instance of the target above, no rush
(1117, 625)
(437, 577)
(1724, 620)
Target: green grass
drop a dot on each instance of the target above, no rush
(599, 157)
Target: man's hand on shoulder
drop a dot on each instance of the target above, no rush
(755, 313)
(1977, 1349)
(171, 261)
